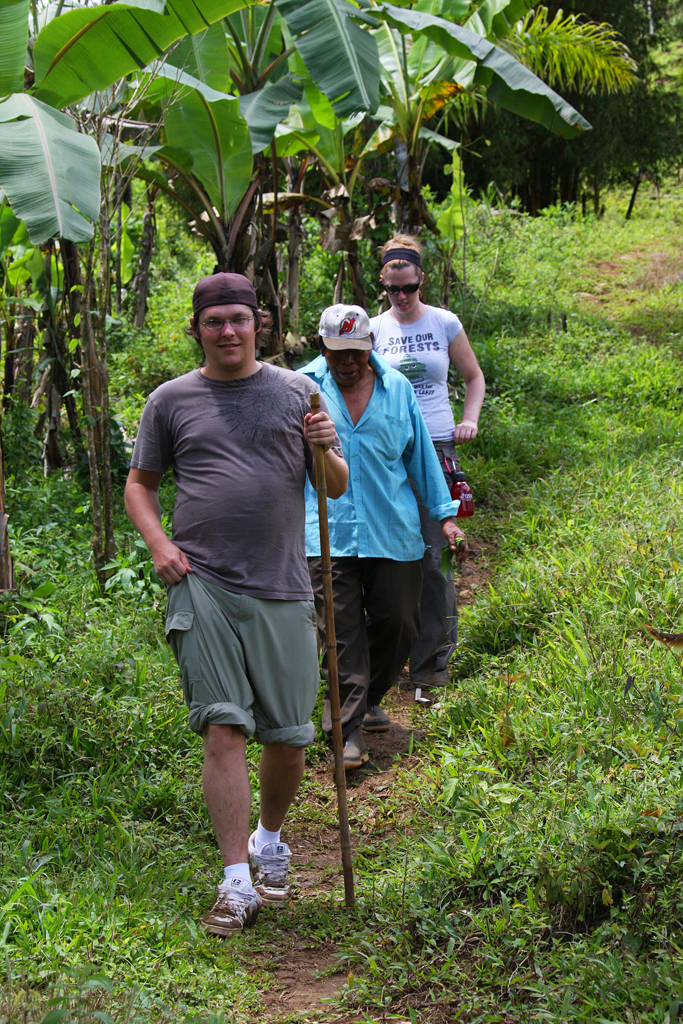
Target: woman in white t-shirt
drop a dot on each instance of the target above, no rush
(422, 341)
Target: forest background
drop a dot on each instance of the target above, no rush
(546, 879)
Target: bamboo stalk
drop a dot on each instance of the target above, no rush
(333, 678)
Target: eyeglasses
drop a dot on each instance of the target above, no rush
(407, 289)
(215, 325)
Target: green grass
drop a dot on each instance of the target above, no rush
(534, 865)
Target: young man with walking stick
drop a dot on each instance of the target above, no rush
(240, 617)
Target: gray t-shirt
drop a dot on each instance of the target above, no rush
(240, 461)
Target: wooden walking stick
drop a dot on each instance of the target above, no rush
(333, 678)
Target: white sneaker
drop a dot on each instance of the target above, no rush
(270, 867)
(237, 906)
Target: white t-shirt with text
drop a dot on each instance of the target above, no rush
(420, 351)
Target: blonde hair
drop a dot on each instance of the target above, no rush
(400, 242)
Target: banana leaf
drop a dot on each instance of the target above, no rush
(205, 56)
(14, 36)
(339, 55)
(49, 172)
(8, 226)
(265, 109)
(451, 221)
(496, 18)
(209, 126)
(88, 49)
(508, 82)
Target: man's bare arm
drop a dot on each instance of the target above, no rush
(319, 429)
(141, 498)
(336, 474)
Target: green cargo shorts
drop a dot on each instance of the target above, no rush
(245, 661)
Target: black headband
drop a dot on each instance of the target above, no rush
(402, 254)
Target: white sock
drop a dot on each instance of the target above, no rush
(263, 837)
(240, 871)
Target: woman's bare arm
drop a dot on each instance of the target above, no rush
(463, 358)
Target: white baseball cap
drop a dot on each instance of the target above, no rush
(343, 326)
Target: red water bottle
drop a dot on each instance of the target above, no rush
(460, 491)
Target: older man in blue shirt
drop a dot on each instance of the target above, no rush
(375, 539)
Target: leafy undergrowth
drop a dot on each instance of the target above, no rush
(532, 867)
(548, 885)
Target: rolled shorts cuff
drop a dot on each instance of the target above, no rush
(291, 736)
(202, 715)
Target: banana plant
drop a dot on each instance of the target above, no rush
(437, 52)
(49, 172)
(275, 57)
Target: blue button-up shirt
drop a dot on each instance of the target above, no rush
(377, 516)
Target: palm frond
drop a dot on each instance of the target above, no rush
(572, 53)
(469, 106)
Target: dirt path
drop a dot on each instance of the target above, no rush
(306, 978)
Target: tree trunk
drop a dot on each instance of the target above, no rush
(414, 196)
(55, 350)
(104, 299)
(53, 384)
(87, 349)
(23, 377)
(339, 283)
(596, 194)
(533, 198)
(53, 456)
(290, 285)
(73, 284)
(119, 243)
(73, 288)
(241, 245)
(8, 377)
(448, 274)
(409, 205)
(634, 193)
(356, 278)
(6, 574)
(140, 284)
(291, 282)
(60, 381)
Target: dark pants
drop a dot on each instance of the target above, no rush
(376, 619)
(438, 609)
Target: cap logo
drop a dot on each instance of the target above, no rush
(347, 326)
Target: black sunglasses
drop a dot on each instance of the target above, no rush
(407, 289)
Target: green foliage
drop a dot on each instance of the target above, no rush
(527, 863)
(49, 171)
(322, 27)
(569, 53)
(90, 48)
(14, 31)
(451, 221)
(207, 125)
(141, 360)
(548, 884)
(508, 83)
(638, 131)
